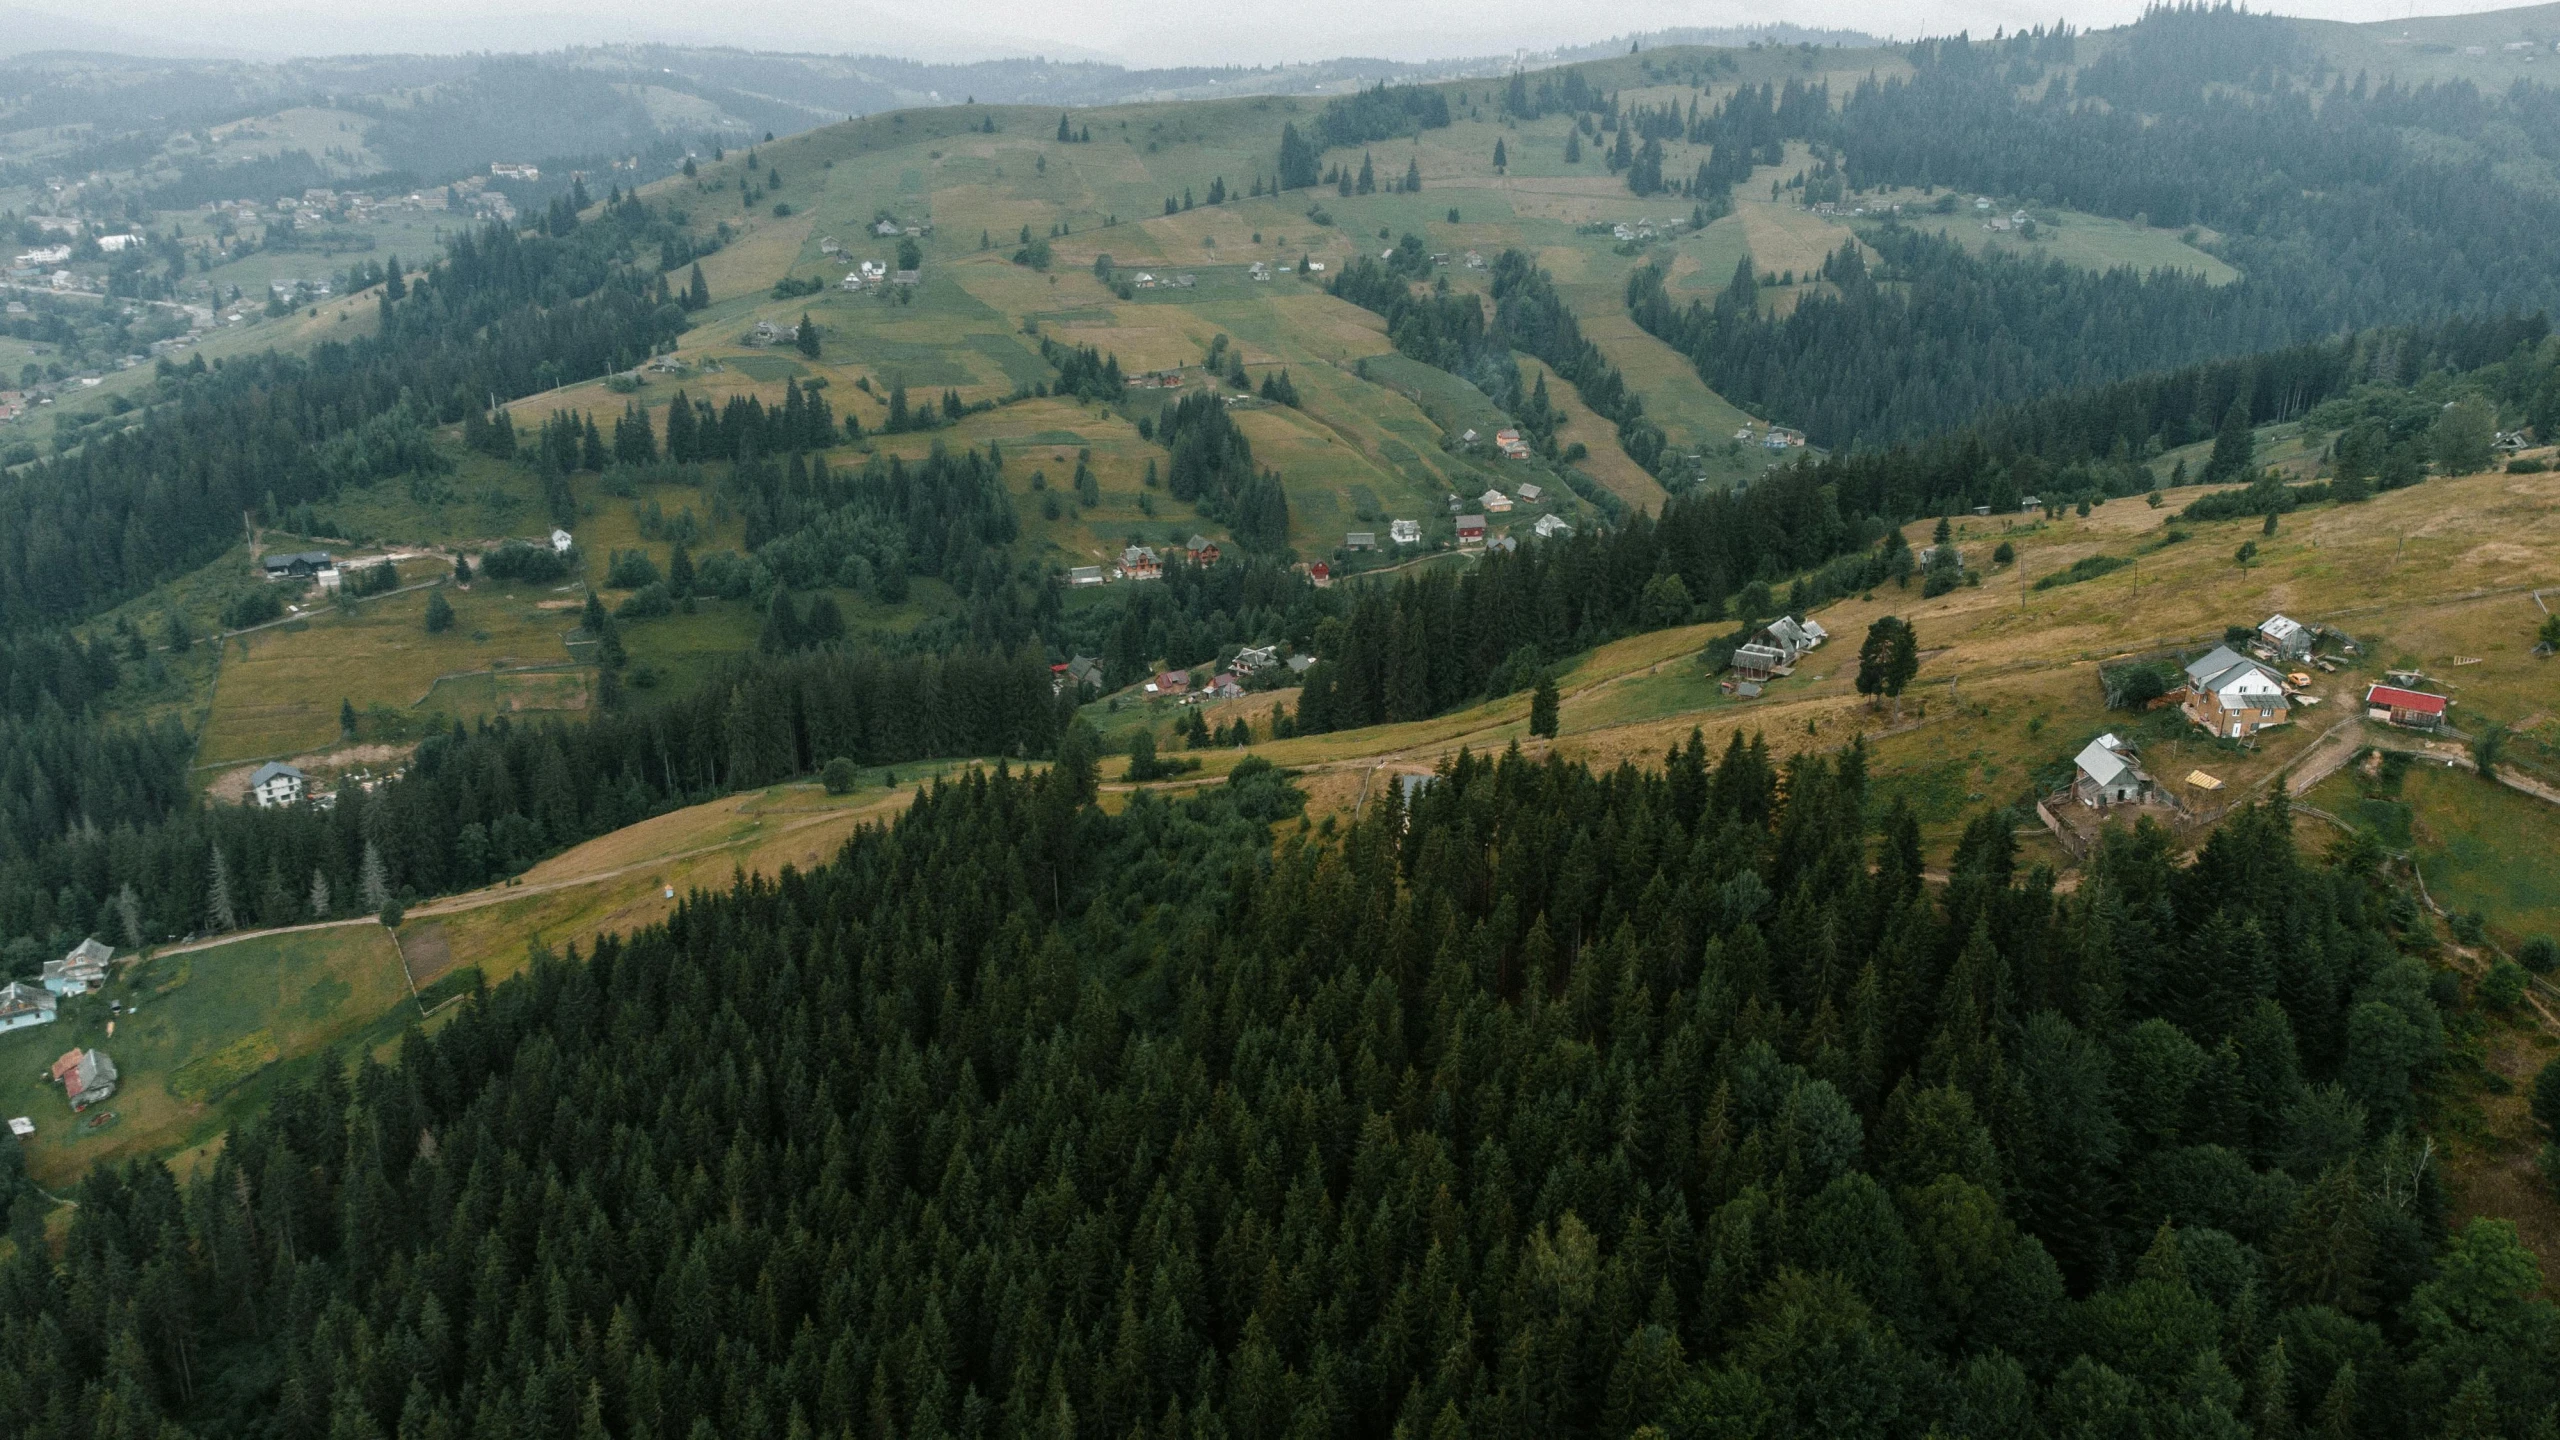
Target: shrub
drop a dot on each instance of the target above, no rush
(252, 607)
(2502, 989)
(532, 564)
(631, 569)
(839, 776)
(2087, 567)
(648, 602)
(2468, 926)
(2539, 954)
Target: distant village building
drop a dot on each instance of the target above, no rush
(1170, 682)
(295, 565)
(1253, 659)
(1360, 540)
(81, 969)
(86, 1077)
(561, 540)
(1083, 671)
(1470, 529)
(1085, 575)
(1405, 532)
(1551, 527)
(1758, 662)
(1530, 494)
(276, 784)
(22, 1005)
(2233, 696)
(1511, 445)
(1495, 502)
(2106, 775)
(1201, 550)
(2408, 709)
(1791, 638)
(502, 170)
(1320, 575)
(1140, 563)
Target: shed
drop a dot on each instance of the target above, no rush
(2409, 709)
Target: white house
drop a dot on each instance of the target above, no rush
(2234, 697)
(81, 969)
(1085, 575)
(276, 783)
(2107, 775)
(1405, 532)
(1494, 502)
(561, 540)
(22, 1005)
(1550, 527)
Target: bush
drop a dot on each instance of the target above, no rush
(2539, 954)
(2502, 989)
(532, 564)
(252, 607)
(2527, 467)
(647, 603)
(2087, 567)
(839, 777)
(2468, 926)
(630, 569)
(392, 914)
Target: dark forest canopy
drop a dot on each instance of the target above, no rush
(1579, 1103)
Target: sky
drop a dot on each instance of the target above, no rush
(1132, 34)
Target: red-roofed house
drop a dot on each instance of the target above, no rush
(1321, 574)
(2411, 709)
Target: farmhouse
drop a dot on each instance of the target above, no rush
(1085, 575)
(1253, 658)
(1405, 532)
(86, 1077)
(2107, 775)
(1201, 551)
(1170, 682)
(1495, 502)
(81, 969)
(2285, 638)
(1511, 445)
(1550, 527)
(1083, 670)
(22, 1005)
(561, 540)
(1791, 638)
(1758, 661)
(2234, 697)
(1320, 575)
(1360, 540)
(296, 565)
(1470, 529)
(1529, 493)
(276, 783)
(1138, 562)
(2409, 709)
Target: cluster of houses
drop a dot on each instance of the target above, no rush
(1149, 280)
(1774, 437)
(1773, 652)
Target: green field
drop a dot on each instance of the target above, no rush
(210, 1034)
(2481, 847)
(2091, 242)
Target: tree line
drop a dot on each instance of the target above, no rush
(1558, 1103)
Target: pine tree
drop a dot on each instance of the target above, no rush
(1543, 704)
(219, 914)
(373, 883)
(1501, 156)
(1413, 173)
(439, 613)
(697, 291)
(319, 895)
(807, 336)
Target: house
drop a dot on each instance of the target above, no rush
(1495, 502)
(1551, 527)
(1501, 544)
(1756, 661)
(768, 333)
(1085, 575)
(561, 540)
(1254, 658)
(2030, 502)
(2234, 697)
(296, 565)
(1530, 493)
(2107, 775)
(1360, 540)
(2409, 709)
(1223, 686)
(1301, 664)
(1405, 532)
(1470, 529)
(1201, 551)
(1791, 638)
(329, 581)
(22, 1005)
(896, 277)
(1170, 682)
(1138, 562)
(884, 226)
(501, 170)
(276, 783)
(81, 969)
(1511, 445)
(1259, 270)
(1084, 670)
(1467, 438)
(2285, 638)
(1321, 575)
(86, 1077)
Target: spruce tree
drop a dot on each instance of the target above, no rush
(219, 913)
(1543, 704)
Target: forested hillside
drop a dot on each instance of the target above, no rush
(2343, 202)
(1573, 1104)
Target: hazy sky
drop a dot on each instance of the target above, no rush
(1102, 29)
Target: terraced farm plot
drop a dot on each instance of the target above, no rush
(282, 696)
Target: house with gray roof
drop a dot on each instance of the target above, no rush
(2234, 697)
